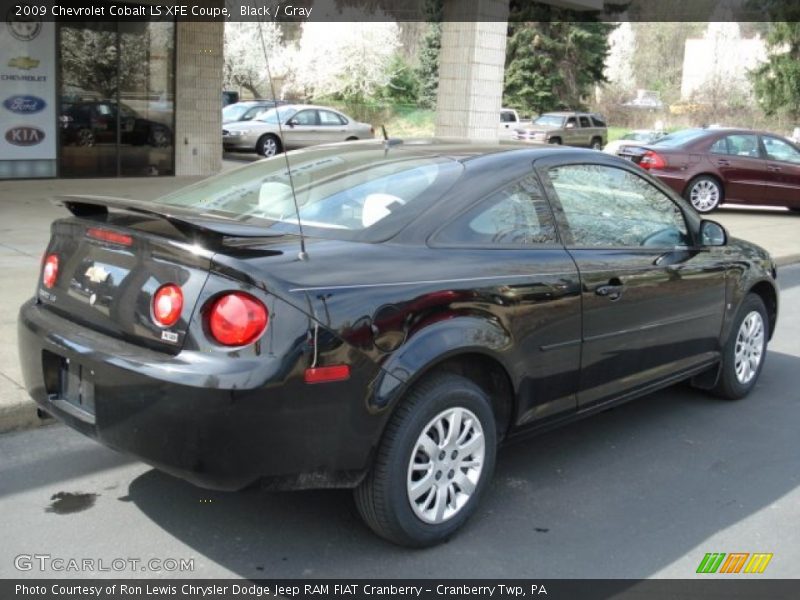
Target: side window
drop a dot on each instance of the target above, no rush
(607, 206)
(780, 150)
(306, 117)
(506, 116)
(585, 122)
(517, 215)
(720, 146)
(737, 145)
(329, 118)
(598, 122)
(571, 122)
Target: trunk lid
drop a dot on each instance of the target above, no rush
(111, 264)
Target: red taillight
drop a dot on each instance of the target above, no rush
(237, 319)
(50, 271)
(167, 305)
(106, 235)
(326, 374)
(652, 160)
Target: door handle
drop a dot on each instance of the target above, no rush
(724, 163)
(612, 290)
(773, 168)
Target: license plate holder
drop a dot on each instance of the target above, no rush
(75, 388)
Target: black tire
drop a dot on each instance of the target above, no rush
(383, 497)
(555, 140)
(710, 184)
(268, 145)
(729, 385)
(597, 143)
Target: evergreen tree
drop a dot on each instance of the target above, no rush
(428, 69)
(552, 59)
(776, 83)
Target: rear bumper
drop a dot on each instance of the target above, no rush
(202, 418)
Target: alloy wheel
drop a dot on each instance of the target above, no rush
(749, 347)
(705, 195)
(445, 465)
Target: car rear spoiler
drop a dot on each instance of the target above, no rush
(212, 229)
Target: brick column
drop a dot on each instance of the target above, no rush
(198, 102)
(471, 68)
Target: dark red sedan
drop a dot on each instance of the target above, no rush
(712, 166)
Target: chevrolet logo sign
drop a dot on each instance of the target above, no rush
(23, 62)
(96, 274)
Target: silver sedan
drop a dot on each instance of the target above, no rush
(301, 125)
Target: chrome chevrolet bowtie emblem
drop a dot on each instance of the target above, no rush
(96, 274)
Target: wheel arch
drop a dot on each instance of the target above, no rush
(769, 296)
(435, 352)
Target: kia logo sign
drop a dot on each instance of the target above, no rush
(24, 105)
(24, 136)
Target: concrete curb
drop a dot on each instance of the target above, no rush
(785, 261)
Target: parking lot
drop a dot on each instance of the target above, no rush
(644, 490)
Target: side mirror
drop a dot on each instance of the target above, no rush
(712, 234)
(292, 122)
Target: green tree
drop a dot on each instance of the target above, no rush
(427, 70)
(552, 58)
(776, 83)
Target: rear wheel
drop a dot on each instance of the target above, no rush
(434, 463)
(597, 144)
(85, 137)
(268, 145)
(705, 193)
(744, 353)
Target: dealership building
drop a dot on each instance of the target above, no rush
(128, 98)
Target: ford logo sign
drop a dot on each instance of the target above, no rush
(24, 136)
(24, 105)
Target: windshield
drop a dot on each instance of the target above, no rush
(234, 112)
(550, 120)
(361, 194)
(679, 138)
(273, 114)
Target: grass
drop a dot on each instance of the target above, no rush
(416, 122)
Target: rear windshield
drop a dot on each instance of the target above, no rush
(365, 194)
(679, 138)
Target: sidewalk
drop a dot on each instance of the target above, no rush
(26, 214)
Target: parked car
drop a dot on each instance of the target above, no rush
(712, 166)
(247, 110)
(303, 125)
(95, 122)
(568, 128)
(635, 138)
(510, 121)
(392, 356)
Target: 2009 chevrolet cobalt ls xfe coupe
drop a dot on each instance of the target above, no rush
(452, 296)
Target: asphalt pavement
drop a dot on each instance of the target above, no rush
(643, 490)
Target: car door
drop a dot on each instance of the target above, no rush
(332, 127)
(739, 161)
(782, 182)
(302, 129)
(652, 302)
(533, 291)
(572, 133)
(586, 130)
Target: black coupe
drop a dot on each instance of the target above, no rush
(451, 296)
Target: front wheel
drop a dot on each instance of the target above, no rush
(268, 145)
(705, 193)
(435, 461)
(744, 352)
